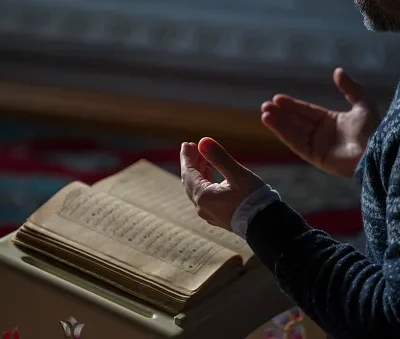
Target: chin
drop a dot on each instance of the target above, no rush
(374, 26)
(380, 15)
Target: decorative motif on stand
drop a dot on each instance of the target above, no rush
(287, 325)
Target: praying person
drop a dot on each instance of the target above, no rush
(347, 293)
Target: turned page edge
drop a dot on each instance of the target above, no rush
(53, 204)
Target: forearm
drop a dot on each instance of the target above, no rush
(333, 283)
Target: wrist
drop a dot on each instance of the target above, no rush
(246, 211)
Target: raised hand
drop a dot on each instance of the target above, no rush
(215, 202)
(330, 140)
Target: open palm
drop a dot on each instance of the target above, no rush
(330, 140)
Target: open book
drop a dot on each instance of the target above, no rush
(138, 231)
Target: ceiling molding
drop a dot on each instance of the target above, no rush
(275, 39)
(261, 41)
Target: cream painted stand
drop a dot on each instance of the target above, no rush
(36, 294)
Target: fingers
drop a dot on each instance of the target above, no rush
(220, 159)
(188, 157)
(352, 90)
(296, 140)
(194, 180)
(282, 119)
(203, 165)
(291, 129)
(306, 110)
(196, 175)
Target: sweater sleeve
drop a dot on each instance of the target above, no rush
(338, 287)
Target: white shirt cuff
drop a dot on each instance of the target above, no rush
(249, 208)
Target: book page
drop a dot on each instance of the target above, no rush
(160, 192)
(129, 236)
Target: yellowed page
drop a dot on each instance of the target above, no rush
(129, 236)
(149, 187)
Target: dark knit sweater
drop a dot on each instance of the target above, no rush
(350, 295)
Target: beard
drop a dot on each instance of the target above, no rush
(380, 15)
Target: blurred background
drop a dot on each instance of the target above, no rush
(88, 87)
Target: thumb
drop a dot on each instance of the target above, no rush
(352, 90)
(220, 159)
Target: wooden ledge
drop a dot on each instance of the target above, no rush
(162, 118)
